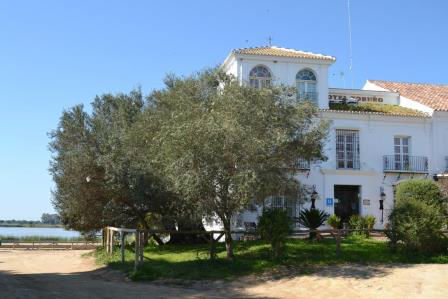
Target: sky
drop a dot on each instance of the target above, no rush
(56, 54)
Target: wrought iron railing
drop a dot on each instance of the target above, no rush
(302, 164)
(307, 96)
(404, 163)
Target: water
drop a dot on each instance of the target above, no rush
(38, 231)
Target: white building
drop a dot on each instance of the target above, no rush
(368, 152)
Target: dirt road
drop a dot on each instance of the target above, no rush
(65, 274)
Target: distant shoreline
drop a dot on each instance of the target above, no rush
(37, 225)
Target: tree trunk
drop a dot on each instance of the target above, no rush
(228, 236)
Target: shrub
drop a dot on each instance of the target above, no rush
(417, 218)
(370, 222)
(421, 190)
(334, 221)
(364, 224)
(355, 222)
(312, 219)
(274, 226)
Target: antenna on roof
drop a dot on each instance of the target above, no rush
(350, 40)
(270, 41)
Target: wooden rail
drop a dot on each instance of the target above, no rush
(45, 244)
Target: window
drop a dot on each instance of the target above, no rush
(306, 86)
(347, 149)
(281, 202)
(401, 152)
(260, 77)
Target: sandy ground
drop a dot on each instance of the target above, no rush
(65, 274)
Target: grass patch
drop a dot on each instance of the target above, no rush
(375, 107)
(190, 262)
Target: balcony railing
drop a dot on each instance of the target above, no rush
(405, 164)
(307, 96)
(302, 164)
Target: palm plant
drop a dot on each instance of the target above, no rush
(312, 219)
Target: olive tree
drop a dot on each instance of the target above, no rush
(222, 144)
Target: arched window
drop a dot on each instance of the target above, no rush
(260, 77)
(306, 86)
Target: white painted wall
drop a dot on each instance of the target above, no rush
(284, 71)
(429, 135)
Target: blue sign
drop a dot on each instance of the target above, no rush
(329, 202)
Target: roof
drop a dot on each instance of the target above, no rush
(435, 96)
(282, 52)
(377, 109)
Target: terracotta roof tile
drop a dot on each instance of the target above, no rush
(432, 95)
(282, 52)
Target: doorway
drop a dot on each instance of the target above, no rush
(346, 201)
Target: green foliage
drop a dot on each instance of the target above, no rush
(220, 144)
(418, 218)
(274, 226)
(312, 219)
(190, 262)
(370, 222)
(416, 226)
(356, 222)
(99, 180)
(202, 146)
(421, 190)
(363, 224)
(376, 107)
(334, 221)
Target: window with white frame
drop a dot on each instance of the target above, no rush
(402, 150)
(306, 84)
(347, 149)
(260, 77)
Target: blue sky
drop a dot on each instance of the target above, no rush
(55, 54)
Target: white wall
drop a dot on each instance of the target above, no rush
(283, 70)
(429, 136)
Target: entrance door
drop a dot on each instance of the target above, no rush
(346, 201)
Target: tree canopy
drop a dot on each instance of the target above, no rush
(203, 146)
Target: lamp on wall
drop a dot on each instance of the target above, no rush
(382, 199)
(314, 196)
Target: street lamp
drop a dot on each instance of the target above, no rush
(382, 199)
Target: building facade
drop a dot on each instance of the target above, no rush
(369, 152)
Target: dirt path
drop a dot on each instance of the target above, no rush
(65, 274)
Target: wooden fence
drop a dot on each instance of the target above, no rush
(48, 244)
(215, 236)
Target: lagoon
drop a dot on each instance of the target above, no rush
(38, 232)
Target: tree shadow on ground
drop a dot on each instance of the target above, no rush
(100, 285)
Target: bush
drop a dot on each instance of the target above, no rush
(370, 222)
(274, 226)
(364, 224)
(334, 221)
(312, 219)
(418, 218)
(421, 190)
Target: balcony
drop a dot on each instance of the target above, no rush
(307, 96)
(302, 164)
(405, 164)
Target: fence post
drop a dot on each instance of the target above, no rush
(142, 245)
(338, 242)
(212, 247)
(122, 246)
(107, 240)
(137, 242)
